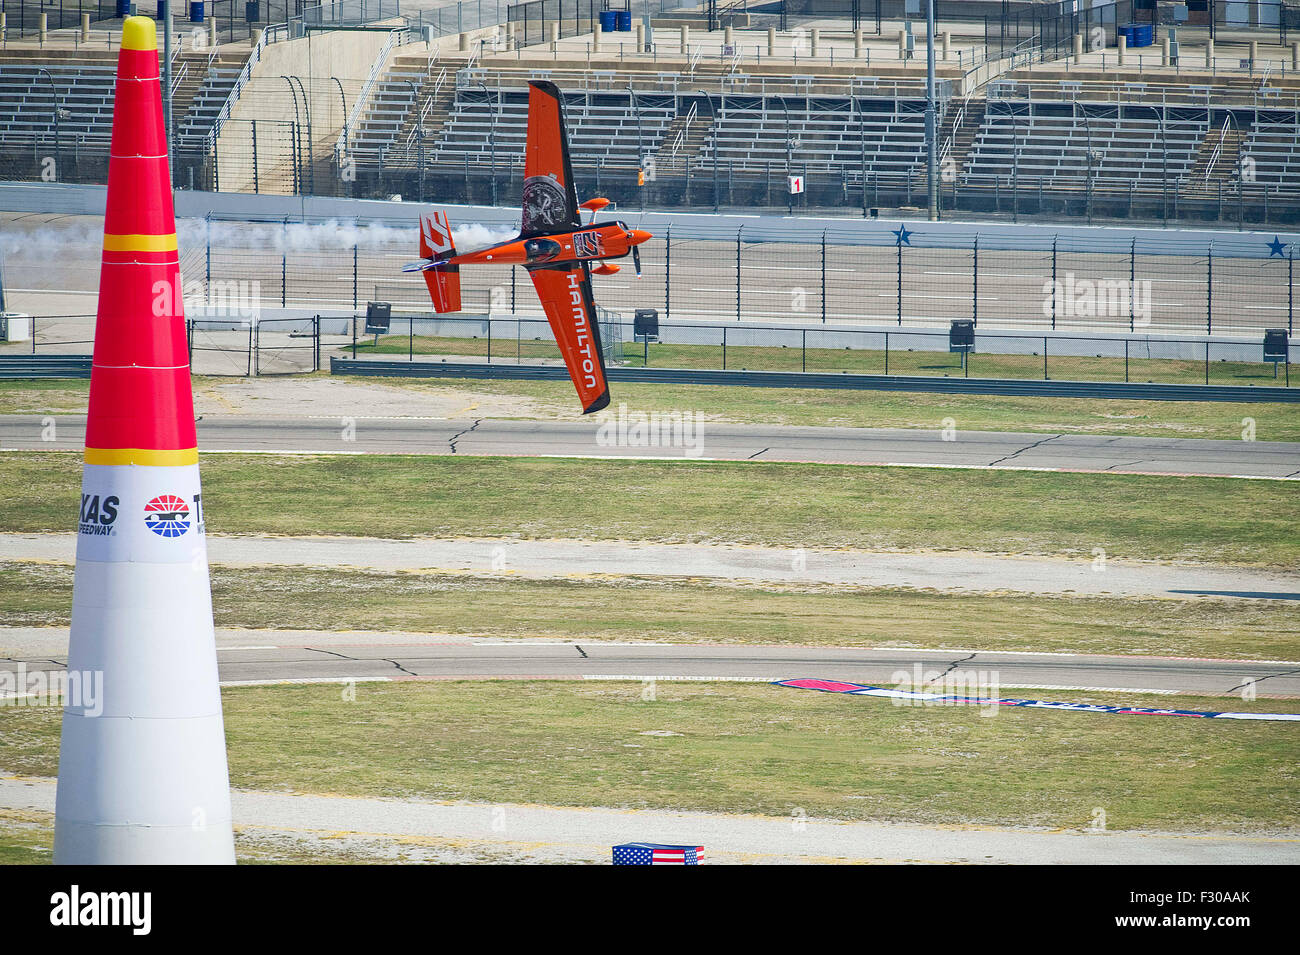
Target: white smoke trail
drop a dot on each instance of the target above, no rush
(81, 240)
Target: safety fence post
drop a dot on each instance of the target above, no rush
(975, 289)
(899, 245)
(1290, 291)
(668, 273)
(1132, 284)
(724, 347)
(886, 353)
(489, 321)
(738, 232)
(315, 338)
(410, 338)
(1209, 289)
(1054, 282)
(823, 276)
(1044, 358)
(803, 348)
(354, 276)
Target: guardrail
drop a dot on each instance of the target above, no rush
(774, 379)
(44, 366)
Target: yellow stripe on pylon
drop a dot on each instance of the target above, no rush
(144, 456)
(140, 243)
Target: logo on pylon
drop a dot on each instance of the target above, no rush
(167, 516)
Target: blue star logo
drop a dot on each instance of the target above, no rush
(1276, 246)
(902, 236)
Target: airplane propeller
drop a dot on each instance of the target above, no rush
(636, 260)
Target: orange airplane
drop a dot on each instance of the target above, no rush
(552, 245)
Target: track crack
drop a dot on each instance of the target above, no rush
(757, 453)
(581, 651)
(953, 665)
(1028, 447)
(460, 434)
(399, 666)
(1253, 682)
(341, 656)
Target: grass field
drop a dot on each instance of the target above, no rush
(862, 361)
(802, 406)
(1130, 516)
(746, 748)
(677, 611)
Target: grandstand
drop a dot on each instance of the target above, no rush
(428, 104)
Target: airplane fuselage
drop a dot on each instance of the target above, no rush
(596, 242)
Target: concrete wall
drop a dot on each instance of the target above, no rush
(89, 200)
(316, 59)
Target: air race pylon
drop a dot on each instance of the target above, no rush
(142, 770)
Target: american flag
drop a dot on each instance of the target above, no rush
(648, 853)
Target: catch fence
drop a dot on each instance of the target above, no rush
(905, 278)
(298, 345)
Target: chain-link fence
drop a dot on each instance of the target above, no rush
(271, 346)
(758, 274)
(911, 352)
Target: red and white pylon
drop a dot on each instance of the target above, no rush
(142, 775)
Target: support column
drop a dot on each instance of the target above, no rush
(85, 28)
(857, 44)
(815, 36)
(946, 37)
(771, 41)
(1122, 48)
(686, 39)
(1209, 53)
(1078, 48)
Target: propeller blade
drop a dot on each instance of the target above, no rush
(636, 260)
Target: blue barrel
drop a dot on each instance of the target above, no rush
(623, 22)
(196, 11)
(607, 21)
(123, 8)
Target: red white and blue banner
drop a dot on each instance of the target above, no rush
(649, 853)
(859, 689)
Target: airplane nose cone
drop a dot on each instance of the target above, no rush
(640, 235)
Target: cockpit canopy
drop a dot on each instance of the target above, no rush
(541, 250)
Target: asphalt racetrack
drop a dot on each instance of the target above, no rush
(705, 441)
(272, 656)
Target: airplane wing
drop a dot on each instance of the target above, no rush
(565, 292)
(550, 202)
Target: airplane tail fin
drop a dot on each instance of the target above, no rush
(436, 248)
